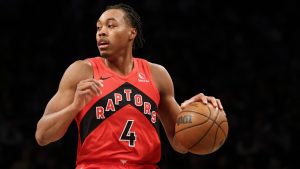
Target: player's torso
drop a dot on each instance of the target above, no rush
(118, 127)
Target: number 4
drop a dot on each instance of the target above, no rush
(128, 135)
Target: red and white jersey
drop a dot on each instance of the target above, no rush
(118, 128)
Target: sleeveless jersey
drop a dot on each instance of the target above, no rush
(118, 129)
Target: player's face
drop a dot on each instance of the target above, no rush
(114, 34)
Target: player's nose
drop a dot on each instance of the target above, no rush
(102, 31)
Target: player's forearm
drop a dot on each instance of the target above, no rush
(178, 147)
(53, 126)
(175, 144)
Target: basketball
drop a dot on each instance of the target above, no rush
(200, 128)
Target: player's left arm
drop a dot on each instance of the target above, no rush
(204, 99)
(168, 108)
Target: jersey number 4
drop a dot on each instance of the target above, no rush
(128, 135)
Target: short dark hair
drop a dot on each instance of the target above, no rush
(134, 20)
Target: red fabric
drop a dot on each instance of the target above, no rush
(102, 148)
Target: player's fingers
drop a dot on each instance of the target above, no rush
(91, 80)
(87, 95)
(100, 82)
(96, 89)
(87, 92)
(212, 100)
(199, 97)
(185, 103)
(89, 85)
(87, 80)
(84, 86)
(219, 104)
(202, 97)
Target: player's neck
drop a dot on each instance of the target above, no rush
(120, 65)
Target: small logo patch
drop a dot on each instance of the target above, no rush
(104, 78)
(142, 78)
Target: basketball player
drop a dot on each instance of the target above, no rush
(116, 100)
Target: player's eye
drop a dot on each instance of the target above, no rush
(98, 27)
(110, 26)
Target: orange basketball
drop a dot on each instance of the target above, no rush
(200, 128)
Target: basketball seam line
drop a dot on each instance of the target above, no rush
(195, 112)
(219, 125)
(205, 132)
(203, 123)
(208, 118)
(214, 122)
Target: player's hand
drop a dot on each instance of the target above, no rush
(204, 99)
(85, 91)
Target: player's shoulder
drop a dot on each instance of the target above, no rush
(80, 66)
(157, 68)
(161, 77)
(81, 63)
(79, 70)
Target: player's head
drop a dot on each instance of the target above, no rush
(134, 20)
(118, 28)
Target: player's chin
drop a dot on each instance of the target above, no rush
(104, 54)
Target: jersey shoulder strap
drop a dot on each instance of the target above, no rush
(96, 64)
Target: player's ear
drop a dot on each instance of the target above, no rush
(132, 33)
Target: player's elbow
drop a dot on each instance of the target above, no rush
(180, 149)
(46, 134)
(40, 139)
(40, 136)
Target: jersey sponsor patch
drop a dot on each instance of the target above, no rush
(142, 78)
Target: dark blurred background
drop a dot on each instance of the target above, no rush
(245, 53)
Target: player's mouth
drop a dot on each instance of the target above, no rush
(102, 43)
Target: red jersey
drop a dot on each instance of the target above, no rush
(118, 128)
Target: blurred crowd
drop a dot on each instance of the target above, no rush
(246, 54)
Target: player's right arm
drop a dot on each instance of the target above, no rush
(76, 88)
